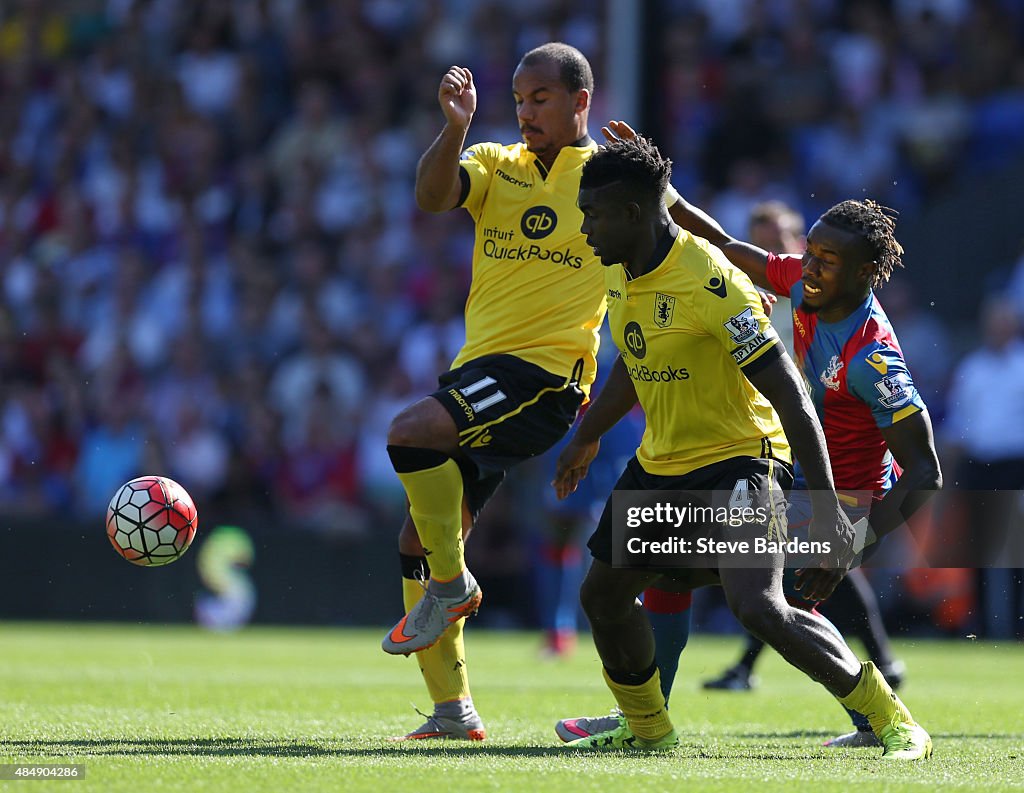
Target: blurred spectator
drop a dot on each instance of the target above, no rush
(985, 433)
(851, 157)
(312, 285)
(435, 341)
(311, 140)
(747, 186)
(319, 478)
(933, 130)
(208, 72)
(924, 339)
(393, 390)
(984, 422)
(779, 228)
(198, 454)
(112, 451)
(802, 86)
(858, 54)
(319, 367)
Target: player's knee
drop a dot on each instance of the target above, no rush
(407, 429)
(600, 602)
(425, 425)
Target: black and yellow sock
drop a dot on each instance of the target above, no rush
(874, 698)
(433, 485)
(443, 665)
(641, 702)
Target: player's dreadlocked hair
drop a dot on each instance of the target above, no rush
(636, 163)
(573, 66)
(875, 224)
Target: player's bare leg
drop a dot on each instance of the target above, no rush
(625, 642)
(681, 584)
(621, 630)
(755, 597)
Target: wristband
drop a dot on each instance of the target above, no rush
(672, 196)
(864, 535)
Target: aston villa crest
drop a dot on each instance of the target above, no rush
(664, 308)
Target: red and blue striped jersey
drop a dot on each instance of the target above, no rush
(857, 379)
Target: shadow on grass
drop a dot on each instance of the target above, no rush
(797, 734)
(255, 747)
(272, 747)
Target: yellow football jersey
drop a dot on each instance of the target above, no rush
(537, 290)
(685, 329)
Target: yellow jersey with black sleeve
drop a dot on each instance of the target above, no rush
(538, 290)
(686, 330)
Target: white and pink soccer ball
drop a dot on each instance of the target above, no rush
(151, 521)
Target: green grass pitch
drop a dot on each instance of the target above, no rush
(157, 708)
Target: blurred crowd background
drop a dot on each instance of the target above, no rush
(212, 266)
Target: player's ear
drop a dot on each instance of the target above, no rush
(633, 211)
(582, 100)
(867, 270)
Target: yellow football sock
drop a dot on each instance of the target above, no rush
(443, 665)
(873, 697)
(643, 706)
(435, 504)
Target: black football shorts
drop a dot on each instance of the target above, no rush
(507, 410)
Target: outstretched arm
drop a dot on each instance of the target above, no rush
(438, 185)
(780, 382)
(749, 258)
(616, 399)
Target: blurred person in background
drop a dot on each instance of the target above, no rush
(924, 338)
(984, 436)
(778, 227)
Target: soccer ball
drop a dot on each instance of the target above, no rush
(151, 521)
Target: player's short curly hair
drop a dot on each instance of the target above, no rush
(573, 66)
(636, 163)
(876, 225)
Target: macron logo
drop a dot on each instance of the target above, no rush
(512, 180)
